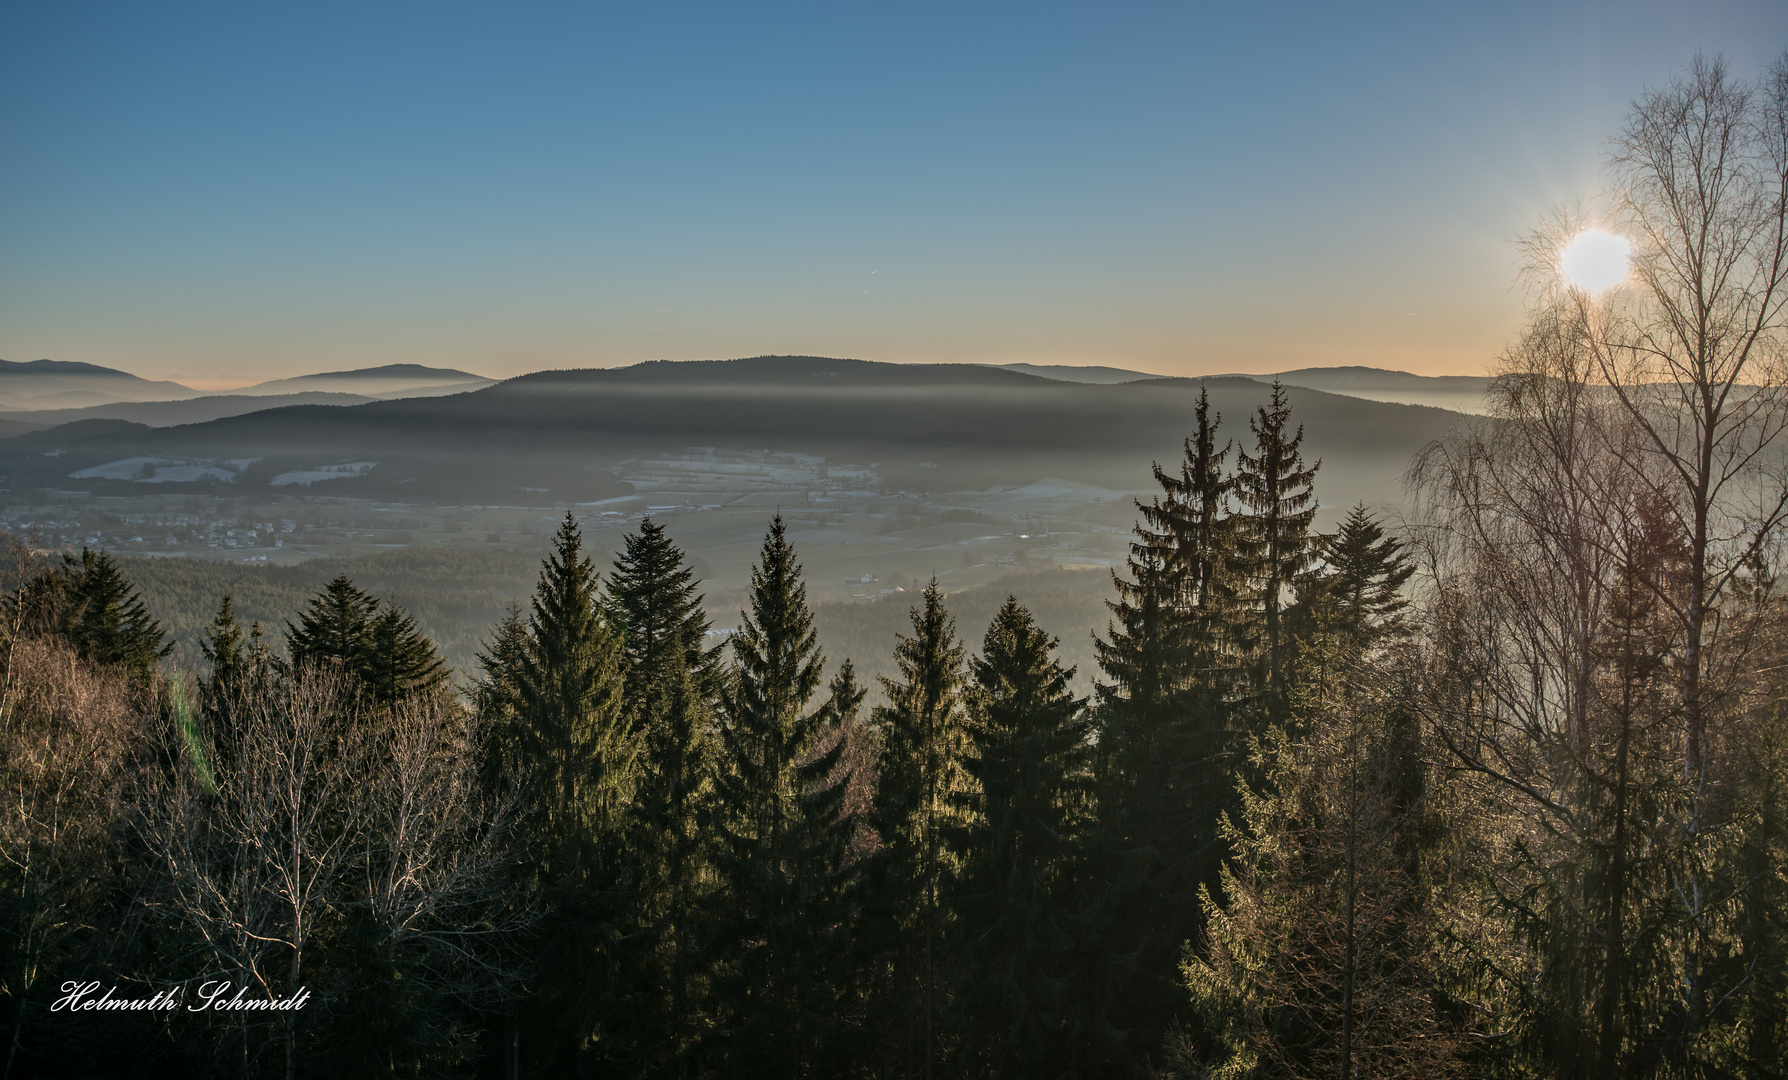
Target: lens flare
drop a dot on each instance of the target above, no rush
(1595, 260)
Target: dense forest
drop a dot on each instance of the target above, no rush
(1499, 791)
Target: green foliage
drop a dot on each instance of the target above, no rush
(398, 659)
(104, 618)
(1166, 731)
(782, 840)
(659, 614)
(670, 874)
(671, 680)
(384, 650)
(552, 689)
(1274, 547)
(1322, 954)
(335, 627)
(919, 812)
(1358, 592)
(1021, 996)
(568, 691)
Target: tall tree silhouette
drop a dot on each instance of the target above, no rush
(1022, 1002)
(382, 649)
(783, 840)
(1360, 593)
(919, 785)
(654, 604)
(398, 659)
(672, 680)
(1274, 545)
(1170, 664)
(572, 746)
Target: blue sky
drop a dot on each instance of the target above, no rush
(245, 191)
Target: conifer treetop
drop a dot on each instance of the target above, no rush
(777, 647)
(104, 616)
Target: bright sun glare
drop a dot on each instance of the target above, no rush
(1595, 260)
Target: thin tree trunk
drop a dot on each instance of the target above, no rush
(292, 1021)
(1347, 985)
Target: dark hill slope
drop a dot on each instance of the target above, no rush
(190, 411)
(52, 383)
(925, 427)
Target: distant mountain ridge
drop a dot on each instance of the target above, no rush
(398, 371)
(195, 410)
(68, 386)
(51, 383)
(573, 435)
(1096, 374)
(386, 381)
(56, 367)
(1458, 393)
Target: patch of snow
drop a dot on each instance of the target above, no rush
(152, 470)
(307, 477)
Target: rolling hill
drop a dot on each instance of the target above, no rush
(64, 384)
(188, 411)
(391, 380)
(571, 436)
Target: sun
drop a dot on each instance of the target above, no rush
(1595, 260)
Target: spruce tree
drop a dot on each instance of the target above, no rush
(1193, 519)
(670, 878)
(1165, 742)
(555, 683)
(783, 839)
(920, 783)
(334, 627)
(1169, 616)
(398, 659)
(1274, 545)
(1359, 593)
(654, 604)
(568, 700)
(672, 678)
(1021, 1002)
(104, 618)
(225, 648)
(242, 666)
(383, 649)
(1323, 953)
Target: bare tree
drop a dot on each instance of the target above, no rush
(430, 867)
(1601, 555)
(1693, 347)
(253, 839)
(68, 733)
(1695, 352)
(315, 813)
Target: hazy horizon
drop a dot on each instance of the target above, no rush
(224, 384)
